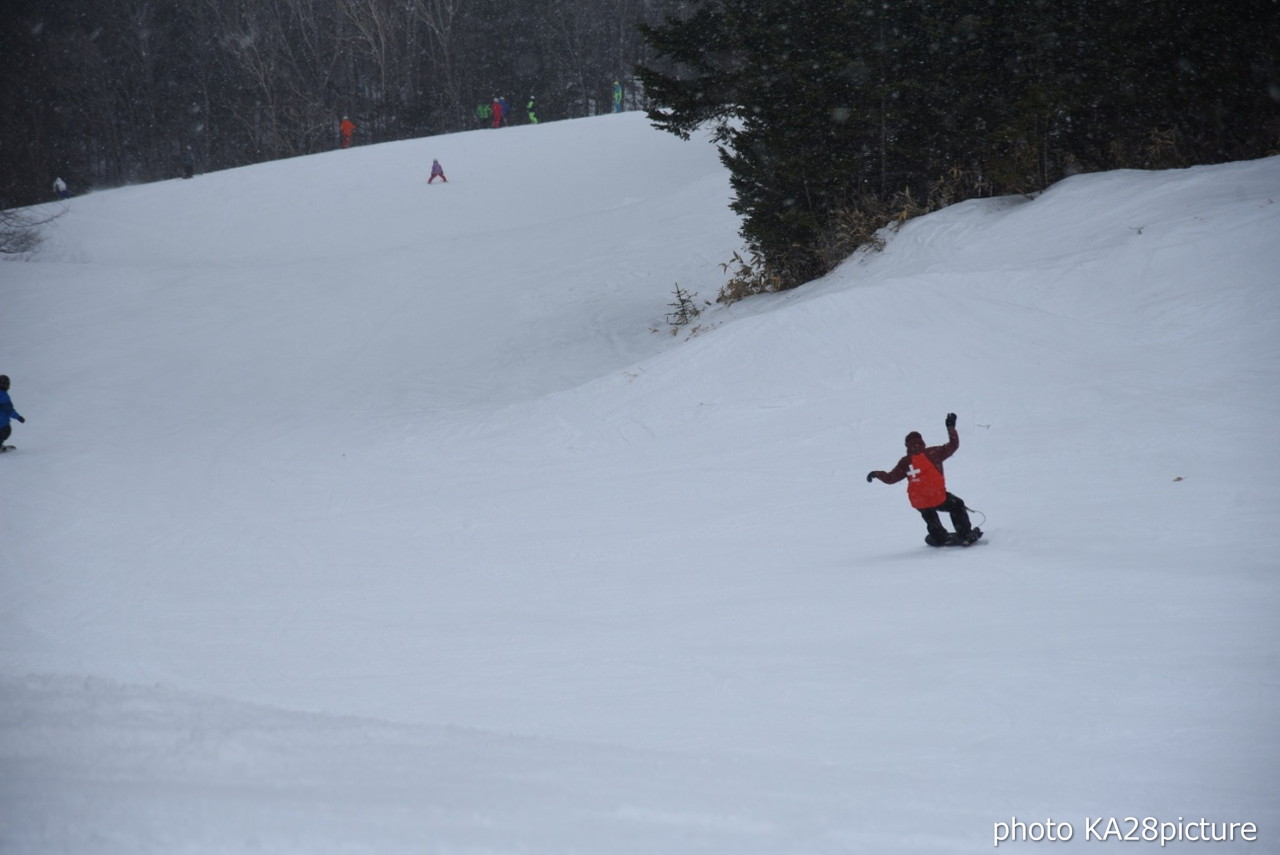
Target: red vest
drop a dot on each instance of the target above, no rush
(926, 488)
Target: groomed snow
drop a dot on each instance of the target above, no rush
(353, 514)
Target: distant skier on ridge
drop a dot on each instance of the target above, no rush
(927, 487)
(345, 129)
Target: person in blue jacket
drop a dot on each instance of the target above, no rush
(7, 412)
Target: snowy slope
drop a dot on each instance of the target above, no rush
(358, 515)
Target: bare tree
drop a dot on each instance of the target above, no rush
(20, 229)
(441, 18)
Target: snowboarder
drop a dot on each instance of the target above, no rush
(617, 97)
(60, 188)
(7, 412)
(437, 171)
(346, 128)
(927, 487)
(484, 113)
(530, 108)
(496, 107)
(507, 112)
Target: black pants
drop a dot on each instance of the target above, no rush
(954, 505)
(4, 433)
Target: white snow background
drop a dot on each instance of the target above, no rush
(357, 515)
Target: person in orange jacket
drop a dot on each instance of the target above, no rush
(927, 487)
(346, 128)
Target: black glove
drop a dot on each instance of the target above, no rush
(871, 476)
(21, 419)
(951, 420)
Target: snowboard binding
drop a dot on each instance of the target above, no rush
(953, 539)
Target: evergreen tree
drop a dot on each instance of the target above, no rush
(827, 108)
(781, 81)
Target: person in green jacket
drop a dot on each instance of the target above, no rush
(530, 107)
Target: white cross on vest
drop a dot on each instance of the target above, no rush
(912, 473)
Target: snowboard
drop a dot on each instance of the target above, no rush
(953, 540)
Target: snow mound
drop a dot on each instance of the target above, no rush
(353, 514)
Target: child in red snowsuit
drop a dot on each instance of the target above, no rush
(927, 486)
(346, 128)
